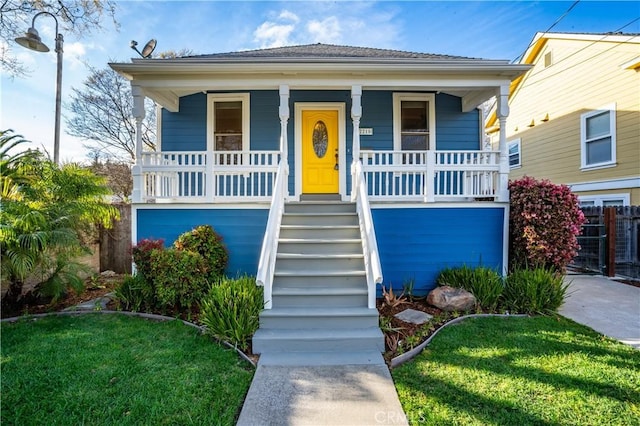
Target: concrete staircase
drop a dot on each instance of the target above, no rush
(320, 314)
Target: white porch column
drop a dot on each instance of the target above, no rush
(136, 170)
(503, 112)
(356, 114)
(284, 119)
(283, 111)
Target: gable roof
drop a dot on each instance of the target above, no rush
(532, 54)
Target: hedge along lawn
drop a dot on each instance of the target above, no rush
(112, 369)
(521, 371)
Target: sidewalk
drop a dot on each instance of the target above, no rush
(609, 307)
(322, 395)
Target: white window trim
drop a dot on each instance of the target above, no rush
(518, 143)
(246, 122)
(599, 199)
(611, 108)
(397, 123)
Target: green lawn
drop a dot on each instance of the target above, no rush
(521, 371)
(112, 369)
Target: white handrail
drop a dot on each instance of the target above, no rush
(266, 265)
(367, 231)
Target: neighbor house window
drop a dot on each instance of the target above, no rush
(514, 154)
(228, 125)
(604, 200)
(598, 138)
(414, 121)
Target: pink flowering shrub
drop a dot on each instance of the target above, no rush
(544, 223)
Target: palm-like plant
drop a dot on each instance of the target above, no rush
(46, 209)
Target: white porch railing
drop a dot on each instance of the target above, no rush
(431, 175)
(267, 262)
(367, 231)
(208, 176)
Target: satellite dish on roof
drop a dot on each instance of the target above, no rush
(147, 50)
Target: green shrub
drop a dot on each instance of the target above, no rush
(544, 223)
(485, 283)
(532, 291)
(231, 308)
(179, 278)
(205, 241)
(135, 294)
(142, 255)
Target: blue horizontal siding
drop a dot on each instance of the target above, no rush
(186, 130)
(456, 130)
(265, 120)
(417, 243)
(242, 231)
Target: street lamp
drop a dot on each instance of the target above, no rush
(31, 40)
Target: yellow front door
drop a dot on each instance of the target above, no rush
(319, 152)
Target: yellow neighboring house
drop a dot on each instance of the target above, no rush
(575, 116)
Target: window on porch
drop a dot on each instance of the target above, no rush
(229, 127)
(414, 125)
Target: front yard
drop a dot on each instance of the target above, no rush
(112, 369)
(521, 371)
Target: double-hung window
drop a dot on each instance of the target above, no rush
(598, 138)
(228, 126)
(515, 160)
(414, 123)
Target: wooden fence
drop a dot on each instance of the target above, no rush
(610, 241)
(115, 243)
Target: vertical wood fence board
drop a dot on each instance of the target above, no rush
(115, 243)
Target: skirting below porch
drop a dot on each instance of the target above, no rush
(415, 242)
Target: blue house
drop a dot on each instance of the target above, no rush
(328, 170)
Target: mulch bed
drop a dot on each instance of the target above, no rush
(31, 303)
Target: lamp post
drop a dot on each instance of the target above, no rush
(31, 40)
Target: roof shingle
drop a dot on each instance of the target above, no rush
(328, 51)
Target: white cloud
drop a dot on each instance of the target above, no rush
(74, 53)
(271, 34)
(289, 16)
(326, 31)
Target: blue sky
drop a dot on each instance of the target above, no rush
(486, 29)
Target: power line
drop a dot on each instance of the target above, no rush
(557, 21)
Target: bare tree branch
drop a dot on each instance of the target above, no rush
(78, 17)
(101, 112)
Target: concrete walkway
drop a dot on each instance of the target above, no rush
(322, 395)
(609, 307)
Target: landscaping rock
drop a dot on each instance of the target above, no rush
(413, 316)
(451, 299)
(107, 274)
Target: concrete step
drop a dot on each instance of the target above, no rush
(318, 318)
(320, 231)
(319, 207)
(319, 262)
(320, 219)
(286, 279)
(320, 245)
(318, 340)
(337, 358)
(318, 297)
